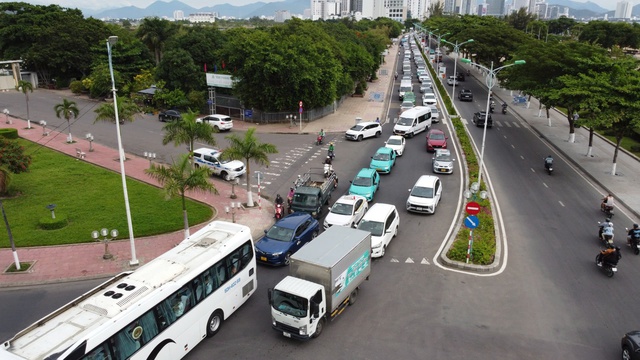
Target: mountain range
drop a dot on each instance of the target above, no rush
(577, 9)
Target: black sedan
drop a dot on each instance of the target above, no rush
(631, 345)
(465, 95)
(169, 115)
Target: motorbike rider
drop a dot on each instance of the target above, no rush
(607, 202)
(548, 162)
(331, 150)
(633, 234)
(279, 200)
(504, 107)
(606, 231)
(610, 256)
(321, 134)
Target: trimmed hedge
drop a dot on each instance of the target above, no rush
(9, 133)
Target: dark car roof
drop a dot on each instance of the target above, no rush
(292, 221)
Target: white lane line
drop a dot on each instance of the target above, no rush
(505, 136)
(513, 146)
(545, 185)
(533, 170)
(516, 124)
(499, 123)
(507, 123)
(561, 203)
(521, 157)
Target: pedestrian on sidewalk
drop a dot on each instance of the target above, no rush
(396, 75)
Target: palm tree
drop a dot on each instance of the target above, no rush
(181, 177)
(154, 32)
(187, 131)
(127, 111)
(66, 110)
(26, 87)
(247, 149)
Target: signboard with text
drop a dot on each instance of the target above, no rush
(219, 80)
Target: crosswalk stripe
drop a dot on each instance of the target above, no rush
(498, 123)
(508, 125)
(516, 124)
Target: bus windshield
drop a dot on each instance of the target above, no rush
(289, 304)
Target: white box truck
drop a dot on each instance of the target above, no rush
(324, 277)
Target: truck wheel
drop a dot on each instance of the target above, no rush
(353, 297)
(319, 328)
(215, 323)
(287, 258)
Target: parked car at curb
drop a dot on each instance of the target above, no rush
(286, 237)
(364, 130)
(170, 115)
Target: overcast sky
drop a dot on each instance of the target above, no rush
(102, 5)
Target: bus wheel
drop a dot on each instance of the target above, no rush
(214, 323)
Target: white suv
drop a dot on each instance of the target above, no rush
(425, 195)
(382, 221)
(218, 122)
(227, 169)
(364, 130)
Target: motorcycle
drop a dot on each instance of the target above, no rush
(328, 170)
(492, 107)
(548, 166)
(279, 211)
(606, 242)
(609, 268)
(504, 109)
(289, 209)
(319, 140)
(607, 210)
(331, 154)
(634, 242)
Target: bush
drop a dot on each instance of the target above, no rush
(49, 223)
(9, 133)
(77, 87)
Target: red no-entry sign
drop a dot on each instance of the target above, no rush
(472, 208)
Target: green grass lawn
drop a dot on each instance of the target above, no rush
(627, 143)
(91, 197)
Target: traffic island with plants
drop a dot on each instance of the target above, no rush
(483, 249)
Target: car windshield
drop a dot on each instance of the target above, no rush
(289, 304)
(394, 141)
(436, 136)
(405, 88)
(443, 157)
(382, 157)
(342, 209)
(362, 181)
(405, 121)
(304, 199)
(357, 128)
(423, 192)
(279, 233)
(374, 227)
(429, 96)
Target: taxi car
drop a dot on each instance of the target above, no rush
(366, 183)
(383, 160)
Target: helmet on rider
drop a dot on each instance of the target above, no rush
(635, 226)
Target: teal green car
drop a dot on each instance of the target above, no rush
(383, 160)
(365, 184)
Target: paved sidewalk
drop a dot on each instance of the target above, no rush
(598, 166)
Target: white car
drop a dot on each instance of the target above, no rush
(452, 80)
(217, 121)
(425, 195)
(426, 87)
(442, 162)
(397, 143)
(424, 77)
(348, 210)
(406, 105)
(227, 169)
(406, 77)
(435, 114)
(429, 99)
(382, 221)
(364, 130)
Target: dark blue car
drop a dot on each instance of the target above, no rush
(286, 237)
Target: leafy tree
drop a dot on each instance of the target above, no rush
(247, 149)
(12, 161)
(155, 32)
(99, 82)
(127, 111)
(170, 99)
(178, 71)
(608, 34)
(181, 177)
(436, 9)
(26, 88)
(561, 26)
(188, 131)
(520, 19)
(201, 42)
(66, 110)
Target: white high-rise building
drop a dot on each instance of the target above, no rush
(282, 16)
(417, 9)
(178, 15)
(202, 17)
(623, 10)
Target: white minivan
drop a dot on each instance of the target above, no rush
(405, 86)
(382, 221)
(413, 121)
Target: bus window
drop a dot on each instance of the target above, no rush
(220, 272)
(198, 289)
(208, 283)
(99, 353)
(181, 301)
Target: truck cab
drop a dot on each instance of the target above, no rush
(299, 310)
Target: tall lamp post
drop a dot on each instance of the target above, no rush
(490, 81)
(134, 261)
(456, 48)
(439, 37)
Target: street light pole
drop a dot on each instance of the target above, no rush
(456, 48)
(134, 261)
(490, 81)
(439, 36)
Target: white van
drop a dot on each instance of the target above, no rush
(406, 68)
(413, 121)
(382, 221)
(405, 86)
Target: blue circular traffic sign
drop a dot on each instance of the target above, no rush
(471, 221)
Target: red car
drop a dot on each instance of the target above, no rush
(436, 140)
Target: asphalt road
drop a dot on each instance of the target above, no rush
(550, 301)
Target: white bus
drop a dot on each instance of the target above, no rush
(160, 311)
